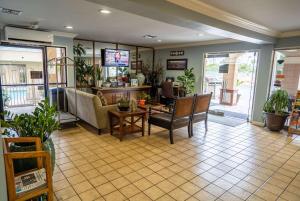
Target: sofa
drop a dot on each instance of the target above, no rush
(89, 108)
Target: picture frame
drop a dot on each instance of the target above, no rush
(177, 64)
(134, 82)
(136, 65)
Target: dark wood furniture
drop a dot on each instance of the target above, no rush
(178, 118)
(112, 95)
(200, 111)
(122, 120)
(43, 161)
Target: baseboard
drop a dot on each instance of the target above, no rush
(258, 123)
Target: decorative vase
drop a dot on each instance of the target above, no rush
(21, 165)
(141, 78)
(98, 83)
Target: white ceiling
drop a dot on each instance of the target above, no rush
(280, 15)
(88, 23)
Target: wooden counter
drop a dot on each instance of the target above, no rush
(113, 94)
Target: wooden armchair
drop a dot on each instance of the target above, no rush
(43, 161)
(200, 111)
(178, 118)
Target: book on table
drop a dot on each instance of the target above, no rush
(30, 180)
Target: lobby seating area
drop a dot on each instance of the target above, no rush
(139, 100)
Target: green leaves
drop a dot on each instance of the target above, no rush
(277, 103)
(187, 80)
(41, 123)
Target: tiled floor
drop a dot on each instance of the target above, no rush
(241, 163)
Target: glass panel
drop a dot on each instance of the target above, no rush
(56, 52)
(22, 78)
(230, 77)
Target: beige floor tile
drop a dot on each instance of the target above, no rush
(143, 184)
(130, 190)
(214, 190)
(204, 196)
(154, 178)
(120, 182)
(179, 194)
(154, 192)
(166, 197)
(140, 197)
(60, 185)
(65, 193)
(177, 180)
(81, 187)
(115, 196)
(89, 195)
(190, 188)
(166, 186)
(76, 179)
(106, 188)
(97, 181)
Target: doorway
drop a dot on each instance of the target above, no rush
(24, 77)
(231, 79)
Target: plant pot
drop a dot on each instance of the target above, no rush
(98, 83)
(275, 122)
(21, 165)
(142, 102)
(123, 108)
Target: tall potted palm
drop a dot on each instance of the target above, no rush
(42, 122)
(276, 110)
(187, 81)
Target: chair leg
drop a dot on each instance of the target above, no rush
(171, 136)
(149, 128)
(99, 131)
(189, 130)
(206, 124)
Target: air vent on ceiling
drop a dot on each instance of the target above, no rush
(10, 11)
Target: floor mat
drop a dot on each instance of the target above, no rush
(228, 121)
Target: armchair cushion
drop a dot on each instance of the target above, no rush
(164, 120)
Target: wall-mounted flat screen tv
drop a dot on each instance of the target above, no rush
(113, 57)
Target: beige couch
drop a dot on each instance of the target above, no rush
(89, 108)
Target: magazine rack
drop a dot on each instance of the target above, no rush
(43, 161)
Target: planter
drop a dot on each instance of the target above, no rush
(275, 122)
(142, 102)
(21, 165)
(98, 83)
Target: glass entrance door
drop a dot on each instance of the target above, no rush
(22, 78)
(230, 77)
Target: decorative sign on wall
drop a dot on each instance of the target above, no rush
(177, 53)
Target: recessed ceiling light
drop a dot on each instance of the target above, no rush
(148, 36)
(104, 11)
(68, 27)
(159, 40)
(200, 34)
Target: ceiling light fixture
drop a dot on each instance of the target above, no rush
(200, 34)
(104, 11)
(148, 36)
(68, 27)
(159, 40)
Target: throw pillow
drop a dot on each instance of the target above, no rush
(102, 98)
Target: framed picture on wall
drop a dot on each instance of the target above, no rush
(136, 65)
(176, 64)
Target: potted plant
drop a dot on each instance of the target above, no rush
(275, 110)
(123, 104)
(42, 122)
(187, 81)
(142, 98)
(99, 76)
(84, 72)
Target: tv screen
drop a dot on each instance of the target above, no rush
(113, 57)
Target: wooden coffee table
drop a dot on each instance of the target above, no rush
(125, 126)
